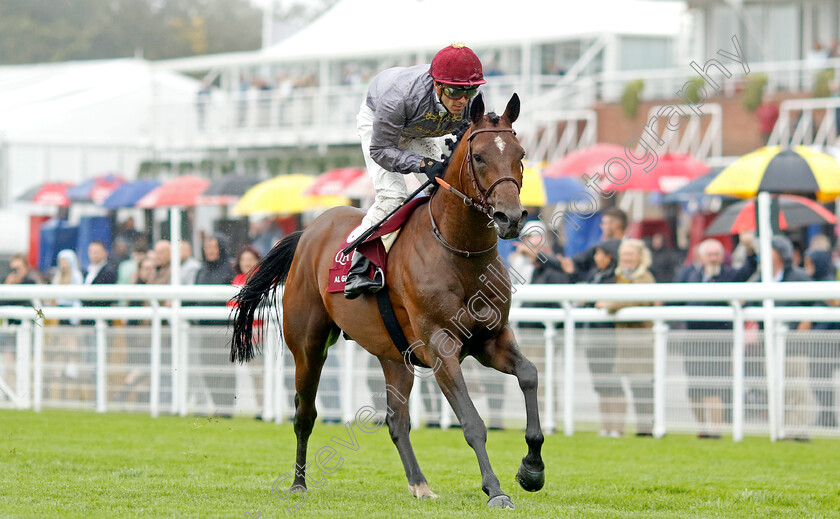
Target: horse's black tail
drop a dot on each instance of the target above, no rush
(251, 301)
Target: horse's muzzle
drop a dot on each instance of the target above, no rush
(509, 225)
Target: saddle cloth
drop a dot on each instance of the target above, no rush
(372, 248)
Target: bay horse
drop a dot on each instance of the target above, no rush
(432, 278)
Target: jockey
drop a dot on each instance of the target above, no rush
(402, 121)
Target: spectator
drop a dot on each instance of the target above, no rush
(189, 265)
(246, 259)
(127, 270)
(135, 385)
(634, 357)
(825, 354)
(665, 259)
(21, 274)
(601, 349)
(216, 269)
(68, 273)
(797, 400)
(613, 227)
(710, 357)
(99, 271)
(162, 256)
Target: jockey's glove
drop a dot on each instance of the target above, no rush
(433, 169)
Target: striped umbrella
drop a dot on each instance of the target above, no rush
(794, 211)
(774, 169)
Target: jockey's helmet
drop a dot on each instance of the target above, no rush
(457, 64)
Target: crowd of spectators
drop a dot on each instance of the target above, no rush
(620, 362)
(615, 357)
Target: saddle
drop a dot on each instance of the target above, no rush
(372, 247)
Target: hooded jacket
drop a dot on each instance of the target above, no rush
(219, 271)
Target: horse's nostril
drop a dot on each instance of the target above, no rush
(501, 218)
(524, 216)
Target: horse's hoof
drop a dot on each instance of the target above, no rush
(299, 489)
(422, 491)
(530, 480)
(501, 501)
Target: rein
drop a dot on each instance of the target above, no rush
(481, 204)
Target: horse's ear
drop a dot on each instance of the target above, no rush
(477, 109)
(512, 109)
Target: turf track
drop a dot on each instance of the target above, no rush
(81, 464)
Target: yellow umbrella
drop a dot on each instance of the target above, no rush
(774, 169)
(533, 189)
(284, 194)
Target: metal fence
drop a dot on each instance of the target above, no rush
(616, 379)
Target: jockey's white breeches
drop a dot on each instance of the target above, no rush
(390, 186)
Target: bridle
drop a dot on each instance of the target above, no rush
(481, 204)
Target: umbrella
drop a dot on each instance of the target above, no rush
(335, 182)
(589, 160)
(562, 189)
(672, 171)
(362, 187)
(95, 189)
(227, 190)
(181, 191)
(128, 194)
(693, 190)
(533, 189)
(49, 193)
(284, 194)
(794, 211)
(774, 169)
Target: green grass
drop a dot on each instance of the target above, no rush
(77, 464)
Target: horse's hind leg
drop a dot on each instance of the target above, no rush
(398, 383)
(502, 353)
(308, 334)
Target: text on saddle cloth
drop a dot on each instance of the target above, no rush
(372, 248)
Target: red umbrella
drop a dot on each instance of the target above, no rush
(589, 160)
(672, 171)
(335, 182)
(49, 193)
(181, 191)
(794, 211)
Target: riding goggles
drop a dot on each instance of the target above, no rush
(457, 92)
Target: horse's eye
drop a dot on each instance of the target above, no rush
(478, 158)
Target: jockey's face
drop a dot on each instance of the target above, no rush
(454, 106)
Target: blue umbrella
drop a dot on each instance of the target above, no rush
(693, 190)
(562, 189)
(128, 194)
(95, 189)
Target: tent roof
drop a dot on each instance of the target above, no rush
(360, 28)
(103, 100)
(372, 27)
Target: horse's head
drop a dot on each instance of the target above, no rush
(491, 167)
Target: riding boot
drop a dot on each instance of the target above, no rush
(359, 279)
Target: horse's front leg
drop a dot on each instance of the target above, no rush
(451, 381)
(502, 353)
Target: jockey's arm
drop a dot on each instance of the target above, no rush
(389, 119)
